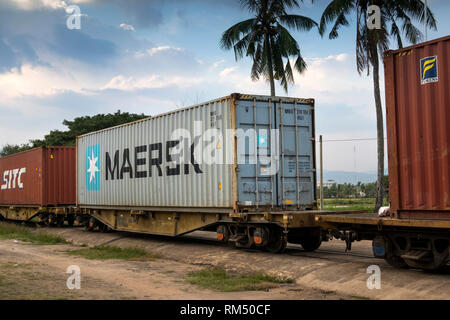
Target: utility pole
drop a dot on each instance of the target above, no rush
(321, 174)
(425, 18)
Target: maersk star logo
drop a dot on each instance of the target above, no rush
(93, 168)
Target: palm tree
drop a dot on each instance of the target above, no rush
(267, 41)
(370, 43)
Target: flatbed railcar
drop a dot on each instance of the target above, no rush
(242, 165)
(416, 243)
(417, 232)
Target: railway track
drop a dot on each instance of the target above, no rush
(203, 237)
(325, 252)
(292, 249)
(333, 251)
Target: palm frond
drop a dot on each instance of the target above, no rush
(241, 46)
(300, 64)
(415, 9)
(277, 58)
(341, 20)
(332, 11)
(234, 33)
(300, 23)
(251, 5)
(286, 43)
(362, 46)
(288, 72)
(413, 34)
(395, 32)
(257, 63)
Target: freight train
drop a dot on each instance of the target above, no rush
(241, 165)
(244, 166)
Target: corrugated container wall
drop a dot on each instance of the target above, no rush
(135, 165)
(39, 177)
(418, 124)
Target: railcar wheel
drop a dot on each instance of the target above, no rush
(59, 221)
(391, 257)
(311, 243)
(90, 226)
(277, 240)
(70, 220)
(433, 260)
(79, 221)
(223, 234)
(51, 220)
(396, 262)
(104, 228)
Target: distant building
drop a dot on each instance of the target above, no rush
(327, 184)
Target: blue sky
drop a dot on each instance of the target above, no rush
(154, 56)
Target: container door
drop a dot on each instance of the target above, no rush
(296, 137)
(256, 165)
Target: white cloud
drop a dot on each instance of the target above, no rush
(227, 71)
(331, 74)
(156, 50)
(60, 4)
(121, 82)
(52, 4)
(31, 80)
(334, 80)
(127, 27)
(41, 81)
(217, 63)
(340, 57)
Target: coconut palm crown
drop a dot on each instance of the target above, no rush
(266, 39)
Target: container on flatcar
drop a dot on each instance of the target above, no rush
(418, 126)
(233, 153)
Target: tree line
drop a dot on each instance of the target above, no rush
(76, 127)
(359, 190)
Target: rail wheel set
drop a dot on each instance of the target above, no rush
(244, 166)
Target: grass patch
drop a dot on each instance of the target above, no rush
(219, 280)
(111, 252)
(11, 231)
(357, 204)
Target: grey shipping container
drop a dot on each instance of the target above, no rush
(235, 153)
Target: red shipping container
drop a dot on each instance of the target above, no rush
(39, 177)
(417, 80)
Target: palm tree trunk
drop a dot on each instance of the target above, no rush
(269, 62)
(380, 127)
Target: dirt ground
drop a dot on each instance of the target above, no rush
(39, 272)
